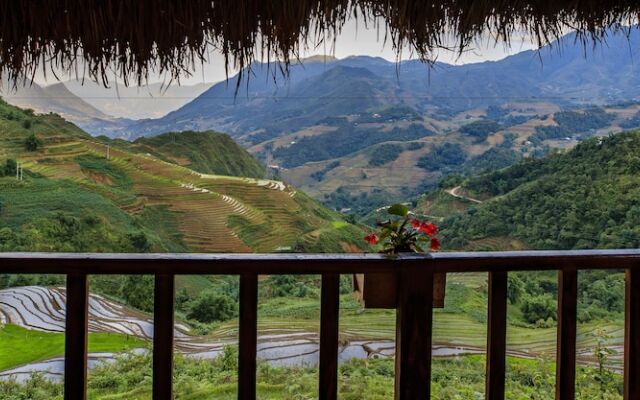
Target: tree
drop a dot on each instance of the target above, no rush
(210, 307)
(26, 124)
(137, 291)
(22, 280)
(182, 299)
(5, 279)
(536, 308)
(10, 167)
(515, 288)
(139, 241)
(32, 143)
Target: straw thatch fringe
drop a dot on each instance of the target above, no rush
(131, 38)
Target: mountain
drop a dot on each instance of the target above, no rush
(150, 101)
(563, 73)
(99, 110)
(81, 193)
(54, 98)
(588, 197)
(206, 152)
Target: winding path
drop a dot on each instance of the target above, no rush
(455, 192)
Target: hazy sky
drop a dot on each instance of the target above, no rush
(355, 39)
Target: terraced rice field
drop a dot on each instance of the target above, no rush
(201, 203)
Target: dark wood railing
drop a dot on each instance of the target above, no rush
(414, 314)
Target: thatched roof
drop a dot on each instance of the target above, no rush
(132, 38)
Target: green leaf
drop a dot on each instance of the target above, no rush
(398, 209)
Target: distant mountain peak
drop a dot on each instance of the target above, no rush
(323, 58)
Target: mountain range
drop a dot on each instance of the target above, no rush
(563, 73)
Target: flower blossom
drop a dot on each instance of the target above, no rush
(428, 228)
(371, 238)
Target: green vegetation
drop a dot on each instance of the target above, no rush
(443, 157)
(111, 173)
(11, 280)
(9, 168)
(46, 215)
(136, 291)
(492, 159)
(101, 195)
(210, 306)
(32, 143)
(390, 114)
(585, 198)
(458, 378)
(480, 130)
(632, 122)
(344, 140)
(385, 153)
(359, 203)
(573, 122)
(21, 346)
(207, 152)
(319, 175)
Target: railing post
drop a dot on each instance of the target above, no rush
(329, 330)
(163, 321)
(413, 335)
(566, 347)
(632, 335)
(248, 336)
(76, 331)
(496, 335)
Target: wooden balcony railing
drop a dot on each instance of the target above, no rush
(414, 314)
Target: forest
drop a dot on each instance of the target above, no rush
(344, 140)
(588, 197)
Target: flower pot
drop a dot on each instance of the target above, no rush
(439, 289)
(376, 290)
(380, 289)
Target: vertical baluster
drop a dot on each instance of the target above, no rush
(413, 335)
(248, 336)
(566, 348)
(632, 335)
(329, 316)
(75, 350)
(496, 335)
(163, 321)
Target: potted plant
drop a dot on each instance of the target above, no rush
(401, 233)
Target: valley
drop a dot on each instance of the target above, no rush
(361, 132)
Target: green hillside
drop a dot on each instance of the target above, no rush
(95, 194)
(207, 152)
(588, 197)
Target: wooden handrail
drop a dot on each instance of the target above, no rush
(414, 314)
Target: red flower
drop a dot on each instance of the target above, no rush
(415, 223)
(435, 244)
(371, 238)
(428, 228)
